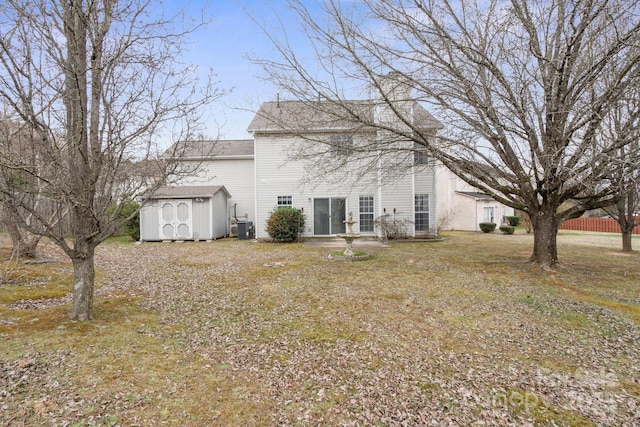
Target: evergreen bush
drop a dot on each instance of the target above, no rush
(487, 227)
(507, 229)
(285, 224)
(131, 226)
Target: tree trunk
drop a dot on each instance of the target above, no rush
(626, 219)
(83, 280)
(29, 245)
(14, 231)
(545, 229)
(627, 236)
(24, 243)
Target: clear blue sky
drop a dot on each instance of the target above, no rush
(226, 45)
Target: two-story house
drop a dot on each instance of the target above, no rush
(293, 138)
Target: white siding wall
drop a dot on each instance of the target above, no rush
(397, 200)
(237, 176)
(209, 218)
(149, 221)
(398, 196)
(201, 219)
(276, 176)
(425, 183)
(220, 215)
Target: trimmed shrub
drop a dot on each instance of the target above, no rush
(130, 226)
(514, 220)
(487, 227)
(285, 224)
(507, 229)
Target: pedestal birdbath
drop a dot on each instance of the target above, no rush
(349, 236)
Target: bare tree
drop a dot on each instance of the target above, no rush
(96, 84)
(15, 145)
(627, 212)
(626, 177)
(522, 88)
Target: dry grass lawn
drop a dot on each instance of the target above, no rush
(461, 332)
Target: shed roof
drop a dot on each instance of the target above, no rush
(188, 192)
(319, 116)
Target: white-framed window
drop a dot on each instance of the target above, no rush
(285, 201)
(421, 209)
(489, 214)
(420, 156)
(341, 144)
(366, 214)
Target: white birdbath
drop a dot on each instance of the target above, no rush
(349, 236)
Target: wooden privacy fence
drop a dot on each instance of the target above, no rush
(603, 225)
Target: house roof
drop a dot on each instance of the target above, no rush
(475, 195)
(212, 148)
(312, 116)
(188, 192)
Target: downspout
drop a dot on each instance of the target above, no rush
(434, 191)
(413, 195)
(255, 187)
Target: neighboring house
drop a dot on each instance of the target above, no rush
(186, 213)
(463, 207)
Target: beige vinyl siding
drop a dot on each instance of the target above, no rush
(455, 211)
(462, 212)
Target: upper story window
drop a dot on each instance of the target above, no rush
(285, 201)
(420, 156)
(341, 144)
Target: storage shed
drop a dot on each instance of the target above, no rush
(186, 213)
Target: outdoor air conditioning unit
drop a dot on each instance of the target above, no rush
(234, 229)
(245, 230)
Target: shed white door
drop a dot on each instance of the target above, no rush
(175, 219)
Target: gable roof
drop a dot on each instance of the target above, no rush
(188, 192)
(326, 116)
(227, 148)
(309, 116)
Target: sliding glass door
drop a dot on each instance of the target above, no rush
(329, 215)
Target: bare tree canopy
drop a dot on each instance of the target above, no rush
(626, 175)
(91, 87)
(524, 89)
